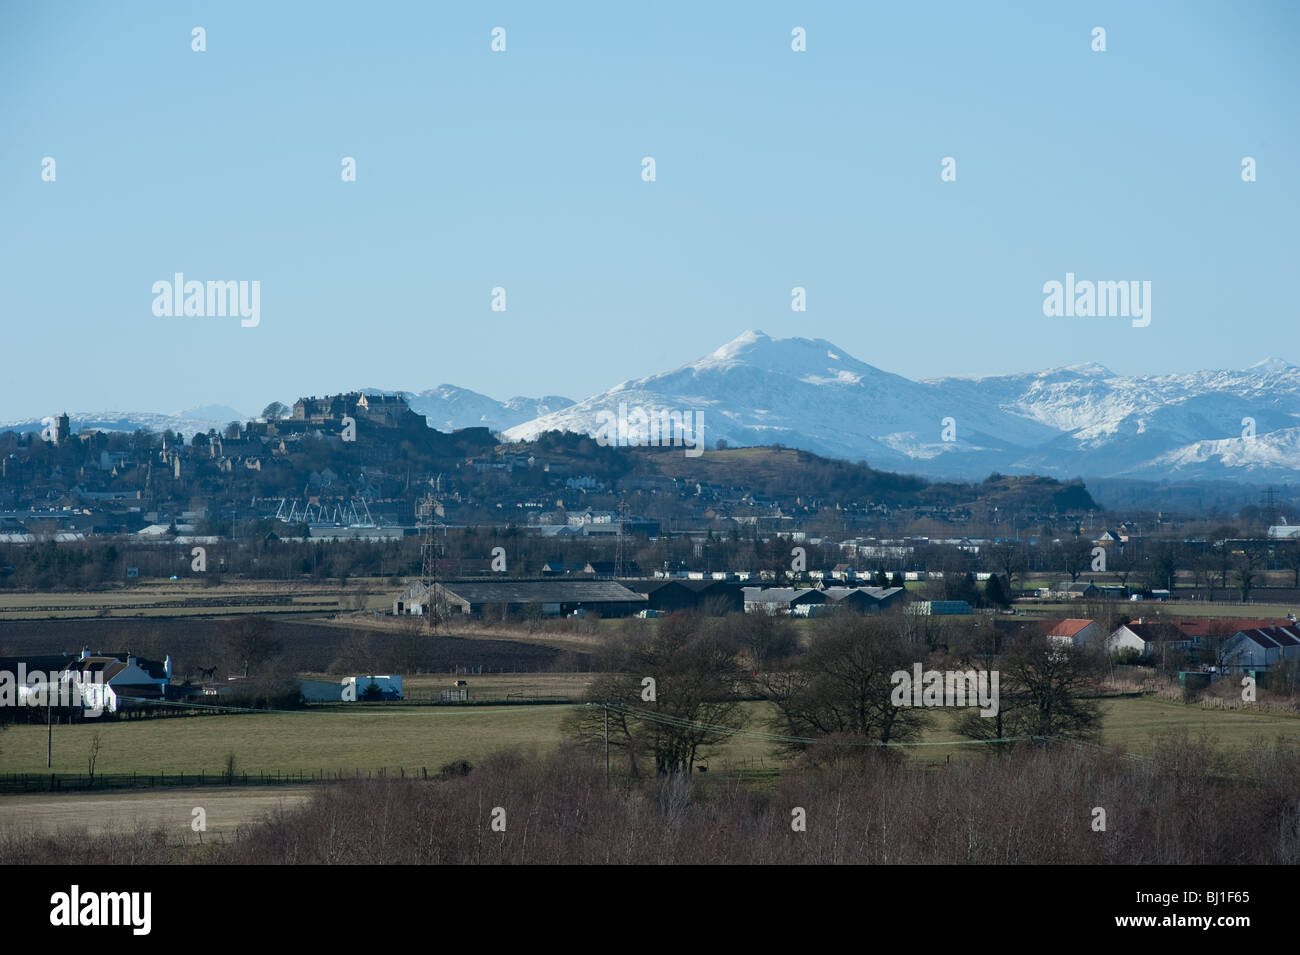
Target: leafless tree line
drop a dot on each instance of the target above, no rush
(1188, 803)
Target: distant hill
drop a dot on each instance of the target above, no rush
(1077, 420)
(449, 408)
(781, 473)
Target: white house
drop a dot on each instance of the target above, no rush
(1148, 638)
(111, 684)
(1077, 631)
(97, 683)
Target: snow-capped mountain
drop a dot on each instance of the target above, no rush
(449, 408)
(446, 408)
(1077, 420)
(187, 423)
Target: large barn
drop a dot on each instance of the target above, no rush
(554, 597)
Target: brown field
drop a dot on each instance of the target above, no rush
(308, 644)
(166, 599)
(227, 808)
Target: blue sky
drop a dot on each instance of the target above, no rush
(522, 169)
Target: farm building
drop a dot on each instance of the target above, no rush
(1262, 647)
(701, 596)
(865, 599)
(935, 608)
(781, 600)
(553, 597)
(356, 688)
(321, 691)
(1198, 628)
(1079, 590)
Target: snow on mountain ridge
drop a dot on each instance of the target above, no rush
(1079, 419)
(1066, 420)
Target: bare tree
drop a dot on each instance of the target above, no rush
(358, 653)
(248, 639)
(1215, 643)
(1010, 560)
(844, 685)
(695, 699)
(360, 595)
(1247, 567)
(1120, 564)
(1221, 553)
(1076, 556)
(1203, 573)
(1044, 690)
(96, 740)
(1290, 557)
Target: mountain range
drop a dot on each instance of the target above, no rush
(1078, 420)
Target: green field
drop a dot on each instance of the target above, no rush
(368, 738)
(1169, 608)
(365, 738)
(329, 738)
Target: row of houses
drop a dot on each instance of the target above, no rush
(1246, 644)
(99, 684)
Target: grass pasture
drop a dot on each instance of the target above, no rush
(344, 738)
(366, 738)
(1175, 609)
(371, 737)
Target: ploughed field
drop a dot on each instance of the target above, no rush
(306, 645)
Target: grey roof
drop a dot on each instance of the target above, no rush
(45, 662)
(875, 593)
(777, 594)
(1270, 637)
(541, 591)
